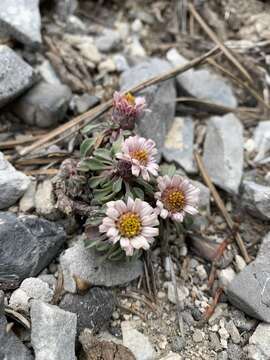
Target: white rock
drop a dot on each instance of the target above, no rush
(53, 332)
(135, 49)
(240, 263)
(137, 26)
(182, 290)
(13, 183)
(27, 202)
(223, 151)
(198, 336)
(31, 288)
(262, 140)
(201, 272)
(120, 62)
(48, 73)
(259, 343)
(107, 65)
(225, 277)
(136, 342)
(44, 200)
(233, 331)
(90, 52)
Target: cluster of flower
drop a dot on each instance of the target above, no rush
(126, 181)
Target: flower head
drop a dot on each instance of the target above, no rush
(133, 224)
(176, 197)
(140, 153)
(127, 109)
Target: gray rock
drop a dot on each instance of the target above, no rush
(136, 342)
(45, 201)
(179, 144)
(15, 74)
(31, 288)
(250, 289)
(27, 202)
(94, 309)
(65, 8)
(235, 352)
(255, 199)
(225, 277)
(233, 331)
(13, 183)
(48, 73)
(85, 264)
(44, 105)
(259, 343)
(108, 41)
(262, 140)
(21, 20)
(53, 332)
(11, 347)
(182, 290)
(28, 244)
(204, 198)
(160, 99)
(223, 151)
(203, 83)
(120, 62)
(82, 103)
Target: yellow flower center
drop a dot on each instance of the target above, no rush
(130, 98)
(141, 156)
(129, 224)
(174, 199)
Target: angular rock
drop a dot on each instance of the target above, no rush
(44, 105)
(108, 41)
(85, 264)
(48, 73)
(93, 309)
(203, 83)
(45, 201)
(31, 288)
(84, 102)
(53, 332)
(225, 277)
(250, 289)
(178, 145)
(183, 292)
(223, 152)
(28, 244)
(262, 140)
(160, 99)
(138, 343)
(10, 346)
(255, 199)
(259, 343)
(15, 74)
(21, 20)
(13, 183)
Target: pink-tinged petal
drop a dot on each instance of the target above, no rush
(178, 217)
(140, 242)
(120, 206)
(149, 231)
(150, 220)
(112, 232)
(135, 169)
(112, 213)
(190, 210)
(102, 228)
(129, 250)
(138, 205)
(164, 213)
(145, 175)
(108, 222)
(130, 203)
(124, 242)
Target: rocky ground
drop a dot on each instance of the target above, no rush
(59, 59)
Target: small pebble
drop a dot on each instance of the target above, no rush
(198, 336)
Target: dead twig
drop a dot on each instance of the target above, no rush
(211, 308)
(10, 144)
(49, 172)
(178, 308)
(138, 297)
(221, 207)
(15, 315)
(214, 37)
(99, 110)
(132, 311)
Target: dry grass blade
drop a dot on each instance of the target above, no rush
(222, 207)
(58, 288)
(10, 144)
(214, 37)
(178, 307)
(101, 109)
(207, 106)
(49, 172)
(18, 317)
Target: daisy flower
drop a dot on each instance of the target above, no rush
(140, 153)
(127, 109)
(133, 224)
(176, 197)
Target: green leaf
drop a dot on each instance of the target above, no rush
(90, 243)
(138, 193)
(168, 169)
(148, 188)
(117, 145)
(103, 154)
(94, 165)
(89, 128)
(95, 181)
(117, 186)
(87, 147)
